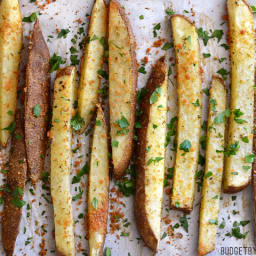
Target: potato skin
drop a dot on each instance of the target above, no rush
(16, 177)
(10, 48)
(37, 91)
(157, 78)
(121, 158)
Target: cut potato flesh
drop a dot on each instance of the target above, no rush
(239, 158)
(98, 186)
(122, 87)
(150, 154)
(61, 159)
(10, 48)
(214, 161)
(92, 63)
(189, 112)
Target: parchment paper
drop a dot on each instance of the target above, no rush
(37, 223)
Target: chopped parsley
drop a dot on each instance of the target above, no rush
(154, 160)
(63, 33)
(55, 62)
(206, 55)
(142, 70)
(30, 18)
(74, 60)
(232, 149)
(196, 103)
(11, 128)
(185, 146)
(156, 28)
(103, 74)
(36, 111)
(237, 114)
(171, 130)
(184, 222)
(169, 11)
(115, 143)
(95, 203)
(167, 46)
(213, 104)
(107, 252)
(16, 200)
(249, 158)
(220, 118)
(77, 122)
(84, 170)
(223, 72)
(154, 96)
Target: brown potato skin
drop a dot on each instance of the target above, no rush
(157, 77)
(37, 91)
(16, 177)
(119, 169)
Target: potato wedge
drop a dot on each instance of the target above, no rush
(239, 158)
(10, 48)
(92, 63)
(98, 186)
(150, 160)
(122, 86)
(189, 112)
(254, 169)
(16, 178)
(37, 103)
(61, 159)
(214, 161)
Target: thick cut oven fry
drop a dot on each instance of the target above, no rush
(189, 112)
(150, 156)
(61, 159)
(122, 86)
(10, 48)
(92, 63)
(213, 169)
(98, 186)
(16, 178)
(254, 169)
(37, 103)
(239, 158)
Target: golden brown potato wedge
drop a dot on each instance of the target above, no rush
(98, 186)
(61, 159)
(37, 103)
(239, 158)
(214, 161)
(150, 156)
(189, 112)
(254, 169)
(16, 178)
(10, 48)
(122, 86)
(92, 63)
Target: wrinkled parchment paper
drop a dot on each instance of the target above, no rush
(36, 231)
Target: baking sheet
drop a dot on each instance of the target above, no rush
(36, 232)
